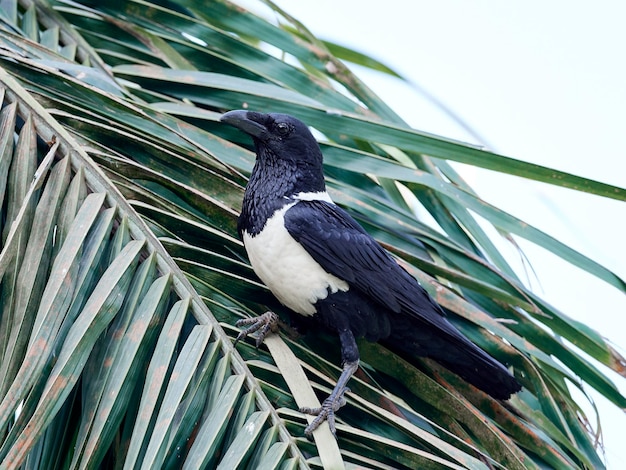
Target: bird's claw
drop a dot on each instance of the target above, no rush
(263, 324)
(326, 412)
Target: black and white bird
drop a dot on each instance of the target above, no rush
(320, 263)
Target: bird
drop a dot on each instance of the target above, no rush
(320, 263)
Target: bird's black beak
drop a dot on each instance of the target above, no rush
(248, 121)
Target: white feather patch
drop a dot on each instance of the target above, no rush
(319, 196)
(292, 275)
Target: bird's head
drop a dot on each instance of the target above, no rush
(278, 137)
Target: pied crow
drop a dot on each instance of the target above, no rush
(320, 263)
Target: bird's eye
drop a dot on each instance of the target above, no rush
(282, 128)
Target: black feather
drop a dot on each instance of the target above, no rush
(383, 301)
(387, 304)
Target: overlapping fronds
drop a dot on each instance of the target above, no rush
(122, 274)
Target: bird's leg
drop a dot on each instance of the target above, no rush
(263, 324)
(326, 412)
(335, 400)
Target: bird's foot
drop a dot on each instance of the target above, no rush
(326, 412)
(263, 324)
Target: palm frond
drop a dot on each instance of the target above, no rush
(110, 354)
(122, 274)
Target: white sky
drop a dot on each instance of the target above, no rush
(543, 82)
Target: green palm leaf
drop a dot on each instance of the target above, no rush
(112, 300)
(122, 274)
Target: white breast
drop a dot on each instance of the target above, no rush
(292, 275)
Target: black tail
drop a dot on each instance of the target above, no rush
(450, 348)
(481, 370)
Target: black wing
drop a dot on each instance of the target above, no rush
(342, 247)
